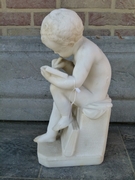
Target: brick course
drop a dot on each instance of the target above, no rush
(97, 32)
(86, 4)
(122, 4)
(15, 19)
(100, 17)
(18, 4)
(124, 32)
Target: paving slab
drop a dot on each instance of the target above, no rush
(116, 164)
(128, 135)
(19, 161)
(18, 151)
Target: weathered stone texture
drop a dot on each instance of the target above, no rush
(40, 109)
(15, 19)
(123, 75)
(86, 3)
(25, 94)
(25, 109)
(20, 74)
(125, 4)
(29, 4)
(123, 111)
(102, 19)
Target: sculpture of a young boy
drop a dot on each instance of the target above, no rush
(89, 72)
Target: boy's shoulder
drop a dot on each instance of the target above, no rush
(87, 47)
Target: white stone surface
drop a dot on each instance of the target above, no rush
(84, 146)
(86, 86)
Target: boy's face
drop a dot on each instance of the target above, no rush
(63, 51)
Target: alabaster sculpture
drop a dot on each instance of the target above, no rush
(81, 108)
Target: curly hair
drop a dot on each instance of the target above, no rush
(62, 26)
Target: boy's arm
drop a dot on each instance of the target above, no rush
(64, 64)
(84, 62)
(69, 66)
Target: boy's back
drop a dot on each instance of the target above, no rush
(99, 76)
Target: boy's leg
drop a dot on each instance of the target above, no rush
(50, 135)
(62, 102)
(63, 99)
(64, 107)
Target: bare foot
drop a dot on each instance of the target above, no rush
(63, 123)
(44, 138)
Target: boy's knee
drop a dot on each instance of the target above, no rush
(54, 89)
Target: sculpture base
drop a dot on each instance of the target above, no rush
(83, 142)
(50, 155)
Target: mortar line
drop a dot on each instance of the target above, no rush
(89, 27)
(113, 5)
(104, 10)
(28, 10)
(112, 31)
(58, 3)
(22, 27)
(32, 20)
(111, 26)
(130, 162)
(3, 5)
(86, 20)
(4, 31)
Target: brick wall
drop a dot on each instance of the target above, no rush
(100, 17)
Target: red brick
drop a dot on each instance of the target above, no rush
(15, 19)
(97, 32)
(21, 4)
(125, 32)
(82, 16)
(124, 4)
(86, 4)
(38, 18)
(102, 19)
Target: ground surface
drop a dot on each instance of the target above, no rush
(18, 159)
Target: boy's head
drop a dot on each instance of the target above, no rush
(62, 26)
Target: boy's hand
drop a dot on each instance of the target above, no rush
(44, 73)
(58, 63)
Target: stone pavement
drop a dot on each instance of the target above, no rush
(18, 159)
